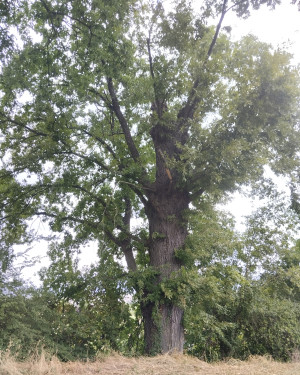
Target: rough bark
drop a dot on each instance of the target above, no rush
(163, 321)
(163, 328)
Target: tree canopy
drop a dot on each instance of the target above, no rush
(115, 110)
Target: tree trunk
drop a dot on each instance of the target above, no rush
(163, 320)
(163, 328)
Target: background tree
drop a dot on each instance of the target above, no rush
(113, 110)
(92, 313)
(246, 301)
(72, 315)
(240, 293)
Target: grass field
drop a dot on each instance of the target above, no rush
(162, 365)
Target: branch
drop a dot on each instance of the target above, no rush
(67, 218)
(211, 47)
(15, 122)
(74, 186)
(101, 141)
(159, 105)
(134, 187)
(126, 243)
(124, 125)
(128, 213)
(187, 111)
(150, 58)
(137, 191)
(196, 194)
(94, 196)
(84, 157)
(102, 97)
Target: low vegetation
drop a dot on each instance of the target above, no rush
(230, 312)
(163, 365)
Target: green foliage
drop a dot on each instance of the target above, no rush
(93, 314)
(230, 308)
(86, 322)
(27, 323)
(64, 154)
(114, 110)
(271, 326)
(247, 301)
(238, 320)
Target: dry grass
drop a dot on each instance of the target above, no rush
(174, 364)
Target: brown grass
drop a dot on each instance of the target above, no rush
(174, 364)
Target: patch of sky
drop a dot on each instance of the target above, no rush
(243, 203)
(24, 97)
(26, 178)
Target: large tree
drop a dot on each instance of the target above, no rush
(120, 109)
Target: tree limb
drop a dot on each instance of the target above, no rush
(150, 58)
(101, 141)
(124, 125)
(188, 110)
(18, 123)
(84, 157)
(211, 47)
(126, 243)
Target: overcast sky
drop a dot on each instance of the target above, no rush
(280, 27)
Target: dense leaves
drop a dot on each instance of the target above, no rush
(118, 110)
(241, 294)
(77, 317)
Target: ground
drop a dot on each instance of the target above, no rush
(161, 365)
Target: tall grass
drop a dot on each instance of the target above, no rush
(161, 365)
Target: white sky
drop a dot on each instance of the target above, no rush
(281, 28)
